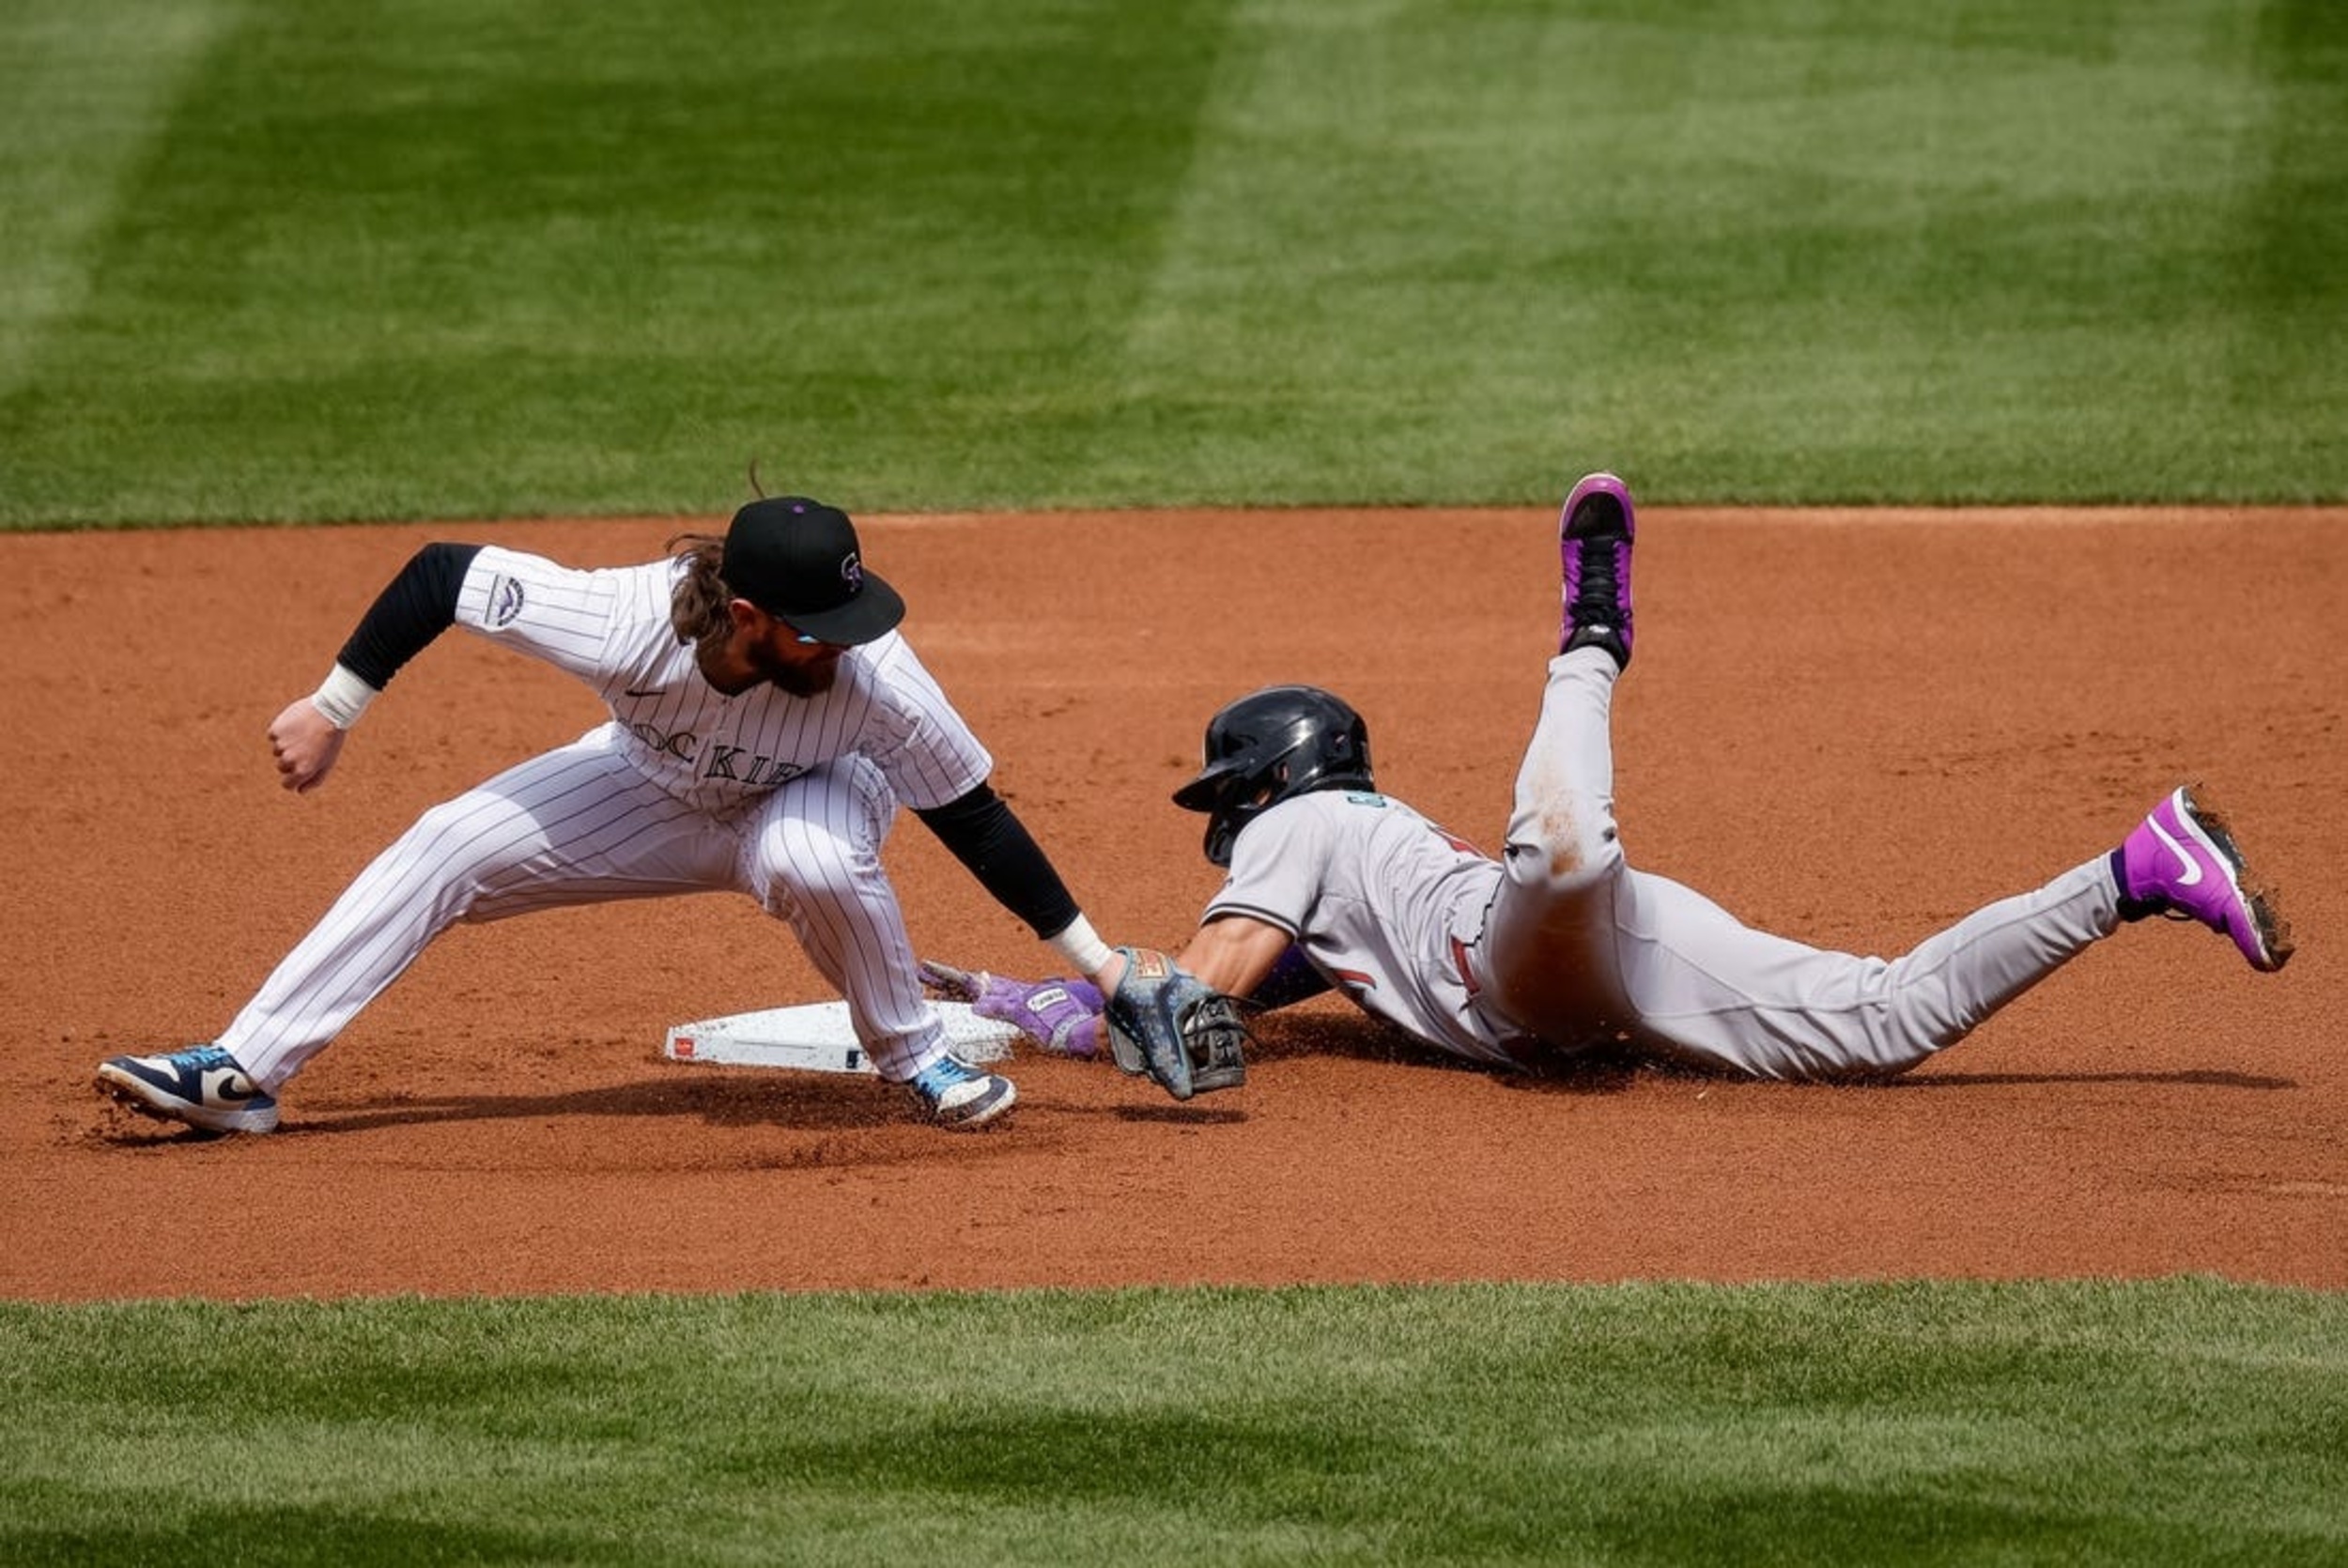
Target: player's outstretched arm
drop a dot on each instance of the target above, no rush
(1160, 1019)
(1235, 953)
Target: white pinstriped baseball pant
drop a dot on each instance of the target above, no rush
(579, 826)
(1579, 946)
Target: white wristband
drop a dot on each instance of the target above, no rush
(1081, 945)
(341, 697)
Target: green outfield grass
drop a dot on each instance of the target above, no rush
(2174, 1423)
(261, 259)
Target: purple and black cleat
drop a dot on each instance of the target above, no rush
(1594, 540)
(2182, 861)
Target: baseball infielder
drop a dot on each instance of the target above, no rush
(766, 720)
(1560, 946)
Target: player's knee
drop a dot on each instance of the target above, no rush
(1561, 835)
(1562, 864)
(811, 880)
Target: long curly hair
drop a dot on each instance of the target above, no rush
(697, 605)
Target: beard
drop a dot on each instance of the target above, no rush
(806, 680)
(799, 680)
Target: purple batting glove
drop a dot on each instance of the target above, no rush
(1062, 1017)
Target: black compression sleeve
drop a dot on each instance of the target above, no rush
(986, 837)
(413, 609)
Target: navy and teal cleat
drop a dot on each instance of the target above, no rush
(202, 1086)
(959, 1096)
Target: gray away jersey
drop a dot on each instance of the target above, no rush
(611, 628)
(1381, 901)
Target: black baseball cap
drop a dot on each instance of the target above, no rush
(798, 560)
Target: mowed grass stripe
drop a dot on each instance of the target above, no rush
(84, 93)
(453, 260)
(1826, 254)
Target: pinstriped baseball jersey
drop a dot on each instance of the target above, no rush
(1382, 913)
(715, 752)
(680, 792)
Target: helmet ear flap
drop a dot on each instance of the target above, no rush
(1238, 798)
(1221, 834)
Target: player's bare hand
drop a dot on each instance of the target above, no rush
(305, 743)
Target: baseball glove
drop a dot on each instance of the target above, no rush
(1062, 1017)
(1165, 1022)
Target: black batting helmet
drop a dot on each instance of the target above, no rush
(1268, 746)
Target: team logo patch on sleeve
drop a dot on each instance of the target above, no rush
(505, 600)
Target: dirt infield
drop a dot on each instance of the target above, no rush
(1850, 728)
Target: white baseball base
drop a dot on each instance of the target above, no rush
(817, 1037)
